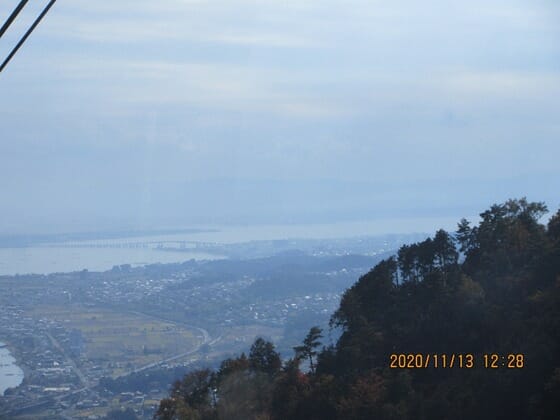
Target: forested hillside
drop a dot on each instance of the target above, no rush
(462, 325)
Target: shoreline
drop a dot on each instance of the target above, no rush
(13, 353)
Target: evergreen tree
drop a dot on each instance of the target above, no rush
(309, 348)
(504, 298)
(264, 358)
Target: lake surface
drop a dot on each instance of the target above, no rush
(45, 260)
(93, 256)
(10, 374)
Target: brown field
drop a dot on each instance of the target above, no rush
(121, 341)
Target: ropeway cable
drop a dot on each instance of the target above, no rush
(24, 38)
(12, 17)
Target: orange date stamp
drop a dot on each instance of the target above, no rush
(456, 360)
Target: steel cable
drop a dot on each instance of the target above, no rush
(29, 31)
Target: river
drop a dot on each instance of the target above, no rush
(10, 373)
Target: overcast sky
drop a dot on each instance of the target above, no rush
(120, 114)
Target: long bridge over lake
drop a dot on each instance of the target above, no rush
(150, 244)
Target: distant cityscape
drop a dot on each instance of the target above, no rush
(89, 342)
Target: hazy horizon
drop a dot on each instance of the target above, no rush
(143, 115)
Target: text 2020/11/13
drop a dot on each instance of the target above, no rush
(456, 360)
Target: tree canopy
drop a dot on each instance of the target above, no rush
(488, 289)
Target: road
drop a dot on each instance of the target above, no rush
(203, 333)
(87, 385)
(83, 379)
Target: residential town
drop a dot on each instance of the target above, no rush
(92, 342)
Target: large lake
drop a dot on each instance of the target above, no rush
(45, 260)
(54, 258)
(10, 374)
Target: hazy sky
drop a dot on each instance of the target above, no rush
(118, 114)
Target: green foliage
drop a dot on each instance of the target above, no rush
(503, 298)
(309, 348)
(554, 227)
(508, 237)
(264, 358)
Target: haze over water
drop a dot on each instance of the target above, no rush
(56, 257)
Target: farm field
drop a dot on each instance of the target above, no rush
(117, 342)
